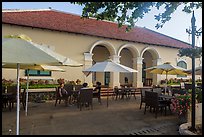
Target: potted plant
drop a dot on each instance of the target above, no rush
(180, 105)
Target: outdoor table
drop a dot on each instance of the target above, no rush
(140, 88)
(166, 97)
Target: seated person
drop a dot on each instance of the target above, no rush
(98, 88)
(85, 85)
(63, 92)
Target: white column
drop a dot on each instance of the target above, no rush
(115, 76)
(137, 77)
(87, 64)
(156, 77)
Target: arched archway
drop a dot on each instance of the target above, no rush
(132, 49)
(151, 58)
(152, 50)
(106, 44)
(128, 53)
(101, 51)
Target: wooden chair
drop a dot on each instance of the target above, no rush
(23, 98)
(116, 93)
(75, 93)
(133, 92)
(123, 92)
(85, 98)
(13, 98)
(152, 101)
(142, 96)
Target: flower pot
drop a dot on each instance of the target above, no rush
(182, 118)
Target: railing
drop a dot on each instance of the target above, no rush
(38, 95)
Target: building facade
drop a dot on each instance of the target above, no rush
(88, 41)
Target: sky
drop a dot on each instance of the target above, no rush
(175, 28)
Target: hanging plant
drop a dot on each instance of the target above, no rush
(190, 52)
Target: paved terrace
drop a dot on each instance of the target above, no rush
(122, 117)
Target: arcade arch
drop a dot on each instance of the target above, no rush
(151, 58)
(128, 53)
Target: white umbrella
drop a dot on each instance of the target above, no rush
(35, 67)
(16, 51)
(108, 66)
(167, 69)
(39, 67)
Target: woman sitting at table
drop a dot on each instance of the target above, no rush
(98, 88)
(63, 93)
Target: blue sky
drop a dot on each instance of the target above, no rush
(175, 28)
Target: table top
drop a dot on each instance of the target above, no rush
(166, 96)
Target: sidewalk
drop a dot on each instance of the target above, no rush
(122, 117)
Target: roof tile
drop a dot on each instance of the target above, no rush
(61, 21)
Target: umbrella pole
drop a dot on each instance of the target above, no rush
(18, 105)
(166, 84)
(26, 110)
(107, 96)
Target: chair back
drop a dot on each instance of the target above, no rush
(86, 95)
(143, 91)
(12, 89)
(157, 90)
(151, 99)
(69, 88)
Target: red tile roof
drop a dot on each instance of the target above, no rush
(61, 21)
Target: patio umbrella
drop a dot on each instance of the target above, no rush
(198, 70)
(167, 69)
(39, 67)
(108, 66)
(21, 51)
(17, 50)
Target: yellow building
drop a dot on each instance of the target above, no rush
(88, 41)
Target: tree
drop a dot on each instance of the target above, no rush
(130, 12)
(191, 52)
